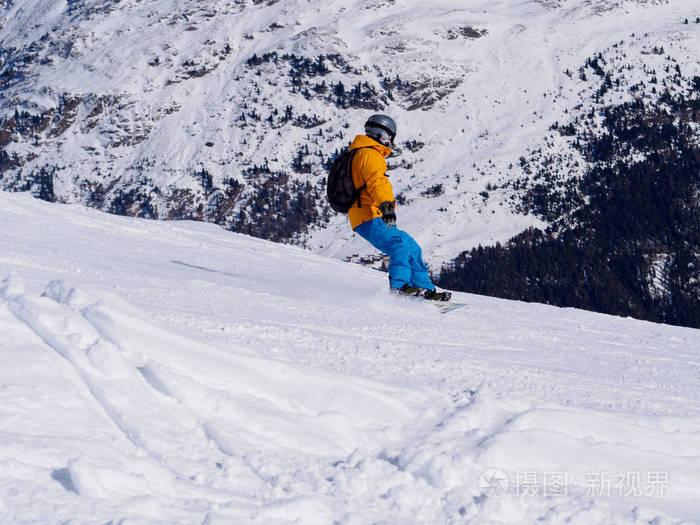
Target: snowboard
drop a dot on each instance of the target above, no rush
(443, 306)
(446, 306)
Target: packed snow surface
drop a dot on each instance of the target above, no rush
(159, 372)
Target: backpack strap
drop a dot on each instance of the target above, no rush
(364, 186)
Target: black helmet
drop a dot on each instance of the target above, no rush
(381, 128)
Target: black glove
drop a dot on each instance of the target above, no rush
(388, 215)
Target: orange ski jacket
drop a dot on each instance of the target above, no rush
(369, 167)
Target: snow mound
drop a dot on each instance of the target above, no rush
(176, 404)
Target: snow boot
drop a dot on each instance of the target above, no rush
(434, 295)
(413, 291)
(423, 293)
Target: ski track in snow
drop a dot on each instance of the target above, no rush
(177, 373)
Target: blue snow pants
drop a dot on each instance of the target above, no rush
(406, 264)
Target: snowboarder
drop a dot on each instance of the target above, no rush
(373, 217)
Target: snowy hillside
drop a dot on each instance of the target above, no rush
(226, 111)
(173, 372)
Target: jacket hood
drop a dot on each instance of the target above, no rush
(363, 141)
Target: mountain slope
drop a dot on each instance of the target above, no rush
(159, 372)
(623, 222)
(227, 112)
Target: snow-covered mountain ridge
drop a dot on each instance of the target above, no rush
(172, 372)
(226, 111)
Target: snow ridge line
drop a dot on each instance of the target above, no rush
(114, 385)
(91, 355)
(139, 397)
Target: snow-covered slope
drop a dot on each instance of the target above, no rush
(160, 372)
(225, 111)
